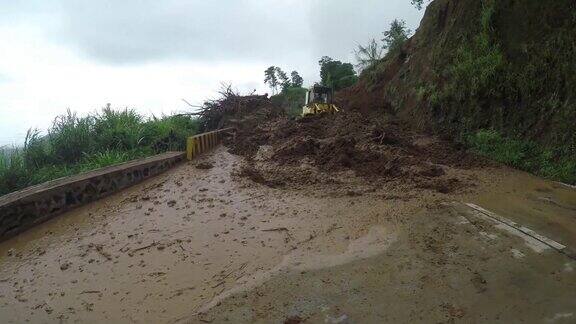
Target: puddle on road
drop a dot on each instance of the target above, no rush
(546, 207)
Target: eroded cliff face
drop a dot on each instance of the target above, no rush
(507, 65)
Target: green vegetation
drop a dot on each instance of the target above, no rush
(291, 100)
(525, 155)
(500, 65)
(274, 77)
(511, 71)
(369, 56)
(78, 144)
(477, 64)
(292, 94)
(419, 3)
(297, 80)
(396, 36)
(271, 79)
(336, 74)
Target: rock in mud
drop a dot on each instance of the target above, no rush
(204, 165)
(432, 171)
(64, 266)
(293, 320)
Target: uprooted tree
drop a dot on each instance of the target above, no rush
(231, 107)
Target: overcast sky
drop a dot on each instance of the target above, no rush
(149, 54)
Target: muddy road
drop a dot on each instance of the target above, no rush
(206, 243)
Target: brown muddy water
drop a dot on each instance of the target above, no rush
(205, 245)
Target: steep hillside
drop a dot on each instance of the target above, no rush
(506, 66)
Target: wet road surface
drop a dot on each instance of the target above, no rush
(204, 245)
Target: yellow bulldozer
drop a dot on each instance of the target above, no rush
(319, 99)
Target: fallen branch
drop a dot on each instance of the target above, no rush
(276, 229)
(191, 105)
(142, 248)
(103, 253)
(255, 197)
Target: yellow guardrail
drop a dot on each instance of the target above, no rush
(201, 143)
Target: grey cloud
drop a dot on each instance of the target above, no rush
(294, 32)
(342, 24)
(19, 9)
(131, 31)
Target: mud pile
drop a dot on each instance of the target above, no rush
(374, 147)
(371, 146)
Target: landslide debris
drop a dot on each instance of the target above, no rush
(281, 151)
(371, 146)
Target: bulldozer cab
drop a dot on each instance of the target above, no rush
(319, 99)
(319, 94)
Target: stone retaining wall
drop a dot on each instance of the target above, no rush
(23, 209)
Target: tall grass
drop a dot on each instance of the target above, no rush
(12, 170)
(525, 155)
(75, 144)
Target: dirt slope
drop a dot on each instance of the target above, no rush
(507, 65)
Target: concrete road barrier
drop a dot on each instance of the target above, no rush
(23, 209)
